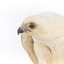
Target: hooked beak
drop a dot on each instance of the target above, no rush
(20, 30)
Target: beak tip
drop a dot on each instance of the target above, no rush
(20, 31)
(17, 32)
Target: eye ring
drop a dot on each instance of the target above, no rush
(31, 25)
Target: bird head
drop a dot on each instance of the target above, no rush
(32, 26)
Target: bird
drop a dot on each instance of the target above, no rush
(42, 37)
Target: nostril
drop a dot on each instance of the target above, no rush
(20, 30)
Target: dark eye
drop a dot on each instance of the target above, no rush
(32, 25)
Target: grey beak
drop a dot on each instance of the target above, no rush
(20, 31)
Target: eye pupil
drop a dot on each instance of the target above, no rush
(32, 25)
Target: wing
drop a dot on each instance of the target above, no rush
(27, 43)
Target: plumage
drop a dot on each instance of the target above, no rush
(43, 38)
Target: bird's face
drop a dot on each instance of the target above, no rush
(33, 28)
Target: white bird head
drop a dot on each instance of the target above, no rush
(32, 26)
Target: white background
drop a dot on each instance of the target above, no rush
(12, 13)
